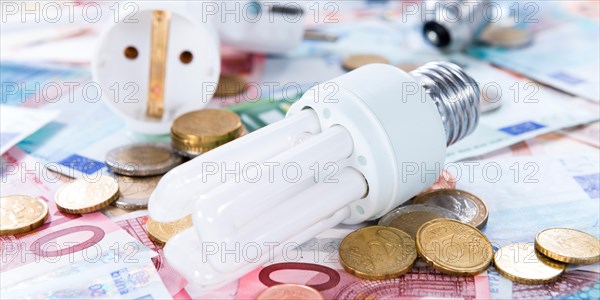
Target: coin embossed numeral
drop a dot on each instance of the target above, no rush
(334, 277)
(388, 241)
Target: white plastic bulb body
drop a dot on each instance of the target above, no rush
(378, 135)
(272, 27)
(124, 81)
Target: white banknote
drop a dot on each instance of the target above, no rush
(563, 54)
(528, 109)
(528, 193)
(19, 122)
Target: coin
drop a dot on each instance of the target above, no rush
(453, 247)
(161, 233)
(356, 61)
(143, 159)
(290, 291)
(445, 181)
(83, 196)
(377, 252)
(520, 262)
(230, 85)
(134, 192)
(199, 131)
(490, 100)
(20, 214)
(410, 218)
(407, 67)
(568, 245)
(505, 37)
(469, 208)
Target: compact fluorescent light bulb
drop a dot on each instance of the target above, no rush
(363, 129)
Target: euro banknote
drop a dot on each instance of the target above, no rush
(135, 224)
(527, 109)
(531, 187)
(522, 198)
(76, 247)
(19, 122)
(575, 38)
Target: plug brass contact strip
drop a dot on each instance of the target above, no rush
(158, 58)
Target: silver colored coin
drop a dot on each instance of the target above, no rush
(134, 192)
(468, 207)
(409, 218)
(144, 159)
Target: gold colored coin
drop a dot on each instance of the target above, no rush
(199, 131)
(230, 85)
(506, 37)
(290, 291)
(469, 208)
(568, 245)
(377, 252)
(520, 262)
(411, 217)
(453, 247)
(20, 214)
(356, 61)
(407, 67)
(86, 195)
(161, 233)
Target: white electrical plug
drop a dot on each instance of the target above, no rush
(123, 60)
(130, 75)
(362, 130)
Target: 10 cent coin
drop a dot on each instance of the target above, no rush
(520, 262)
(454, 248)
(83, 196)
(20, 214)
(568, 245)
(377, 252)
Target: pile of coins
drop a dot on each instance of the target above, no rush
(545, 260)
(442, 227)
(199, 131)
(136, 170)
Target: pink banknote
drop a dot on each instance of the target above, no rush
(420, 282)
(63, 236)
(135, 225)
